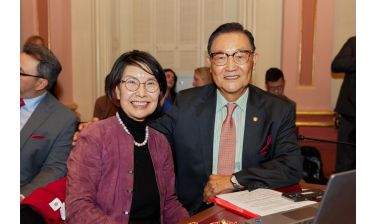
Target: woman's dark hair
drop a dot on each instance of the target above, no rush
(230, 28)
(141, 59)
(172, 91)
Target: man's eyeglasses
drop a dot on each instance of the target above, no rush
(133, 84)
(35, 76)
(239, 57)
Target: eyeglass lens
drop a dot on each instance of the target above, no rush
(133, 84)
(239, 57)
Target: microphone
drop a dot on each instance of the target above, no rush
(301, 137)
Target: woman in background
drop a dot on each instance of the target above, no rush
(170, 94)
(121, 170)
(202, 76)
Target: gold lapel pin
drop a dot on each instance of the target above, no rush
(255, 119)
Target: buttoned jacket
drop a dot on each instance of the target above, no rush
(101, 175)
(271, 157)
(46, 141)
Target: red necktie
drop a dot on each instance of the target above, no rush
(22, 103)
(227, 147)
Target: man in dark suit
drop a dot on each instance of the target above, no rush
(47, 127)
(346, 106)
(266, 150)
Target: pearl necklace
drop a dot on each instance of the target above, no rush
(127, 131)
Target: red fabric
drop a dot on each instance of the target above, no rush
(234, 208)
(38, 137)
(289, 188)
(40, 198)
(22, 103)
(227, 147)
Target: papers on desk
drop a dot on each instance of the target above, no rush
(259, 202)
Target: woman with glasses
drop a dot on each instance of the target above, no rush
(121, 170)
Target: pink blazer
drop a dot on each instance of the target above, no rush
(100, 176)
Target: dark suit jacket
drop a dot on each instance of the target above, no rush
(189, 126)
(345, 61)
(45, 144)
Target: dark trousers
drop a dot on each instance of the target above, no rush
(346, 154)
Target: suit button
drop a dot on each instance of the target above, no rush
(130, 171)
(129, 191)
(126, 213)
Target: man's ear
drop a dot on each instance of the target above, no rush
(41, 84)
(255, 59)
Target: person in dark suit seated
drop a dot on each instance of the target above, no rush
(121, 170)
(256, 147)
(345, 61)
(264, 152)
(47, 126)
(275, 83)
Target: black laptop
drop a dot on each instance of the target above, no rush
(337, 205)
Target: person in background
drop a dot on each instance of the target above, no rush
(230, 135)
(104, 108)
(34, 39)
(170, 94)
(47, 127)
(121, 170)
(38, 40)
(275, 83)
(202, 76)
(345, 61)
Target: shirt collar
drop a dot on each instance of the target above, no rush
(221, 101)
(32, 103)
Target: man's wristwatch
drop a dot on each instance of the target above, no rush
(235, 183)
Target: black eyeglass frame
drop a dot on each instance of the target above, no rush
(248, 52)
(35, 76)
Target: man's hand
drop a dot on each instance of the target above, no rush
(217, 184)
(82, 126)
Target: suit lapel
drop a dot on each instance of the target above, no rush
(40, 114)
(254, 126)
(206, 115)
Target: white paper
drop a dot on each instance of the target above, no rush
(262, 201)
(55, 204)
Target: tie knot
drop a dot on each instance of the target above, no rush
(230, 109)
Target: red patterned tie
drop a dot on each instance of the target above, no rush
(227, 147)
(22, 103)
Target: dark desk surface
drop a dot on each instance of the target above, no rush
(217, 213)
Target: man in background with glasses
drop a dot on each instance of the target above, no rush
(230, 135)
(47, 127)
